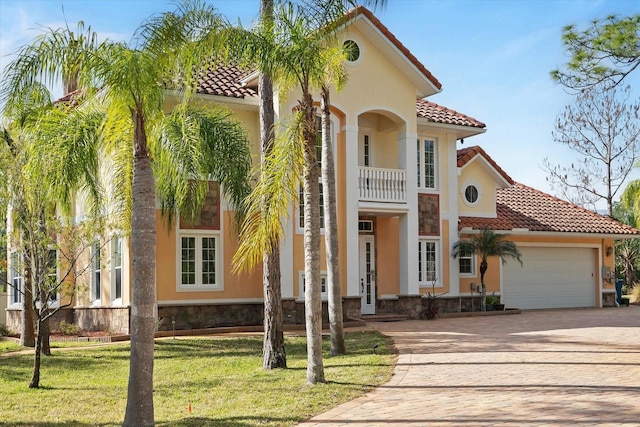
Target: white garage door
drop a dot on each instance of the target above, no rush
(550, 278)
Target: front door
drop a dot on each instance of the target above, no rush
(367, 275)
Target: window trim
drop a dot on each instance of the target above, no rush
(199, 234)
(323, 278)
(95, 298)
(54, 302)
(118, 239)
(354, 38)
(420, 159)
(425, 283)
(15, 295)
(472, 258)
(465, 186)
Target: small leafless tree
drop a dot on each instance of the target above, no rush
(56, 258)
(603, 128)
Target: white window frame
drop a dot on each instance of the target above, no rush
(472, 259)
(463, 192)
(198, 235)
(421, 166)
(54, 277)
(323, 280)
(95, 292)
(15, 295)
(115, 242)
(424, 281)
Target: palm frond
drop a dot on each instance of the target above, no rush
(277, 190)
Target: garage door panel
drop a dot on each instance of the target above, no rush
(550, 277)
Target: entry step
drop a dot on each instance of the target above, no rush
(384, 317)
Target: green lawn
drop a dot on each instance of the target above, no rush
(9, 346)
(221, 377)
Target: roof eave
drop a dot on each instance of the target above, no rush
(573, 234)
(249, 101)
(459, 130)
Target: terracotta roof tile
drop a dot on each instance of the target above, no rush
(438, 114)
(467, 153)
(521, 206)
(225, 81)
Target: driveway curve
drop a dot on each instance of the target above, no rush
(538, 368)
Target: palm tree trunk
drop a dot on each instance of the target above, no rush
(312, 294)
(331, 231)
(483, 289)
(139, 411)
(273, 350)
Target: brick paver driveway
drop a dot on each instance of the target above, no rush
(569, 367)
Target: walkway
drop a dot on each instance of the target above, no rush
(539, 368)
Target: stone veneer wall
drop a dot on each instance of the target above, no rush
(110, 319)
(114, 320)
(204, 316)
(608, 299)
(412, 305)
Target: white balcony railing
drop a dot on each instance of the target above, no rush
(382, 185)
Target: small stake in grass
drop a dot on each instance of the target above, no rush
(189, 408)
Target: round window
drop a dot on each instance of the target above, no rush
(352, 50)
(471, 194)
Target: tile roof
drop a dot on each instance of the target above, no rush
(524, 207)
(225, 81)
(438, 114)
(467, 153)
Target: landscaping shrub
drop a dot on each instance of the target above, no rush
(68, 328)
(4, 331)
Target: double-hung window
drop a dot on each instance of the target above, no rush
(428, 262)
(96, 273)
(199, 246)
(116, 269)
(15, 291)
(426, 162)
(467, 261)
(53, 284)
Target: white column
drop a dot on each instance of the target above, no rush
(408, 238)
(352, 199)
(452, 168)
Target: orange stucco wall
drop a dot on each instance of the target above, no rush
(247, 284)
(387, 256)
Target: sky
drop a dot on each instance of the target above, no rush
(493, 58)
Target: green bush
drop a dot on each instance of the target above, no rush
(4, 331)
(68, 328)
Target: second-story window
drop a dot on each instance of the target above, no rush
(301, 209)
(426, 162)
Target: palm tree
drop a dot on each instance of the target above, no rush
(130, 78)
(273, 350)
(300, 58)
(487, 244)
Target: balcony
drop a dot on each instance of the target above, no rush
(382, 185)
